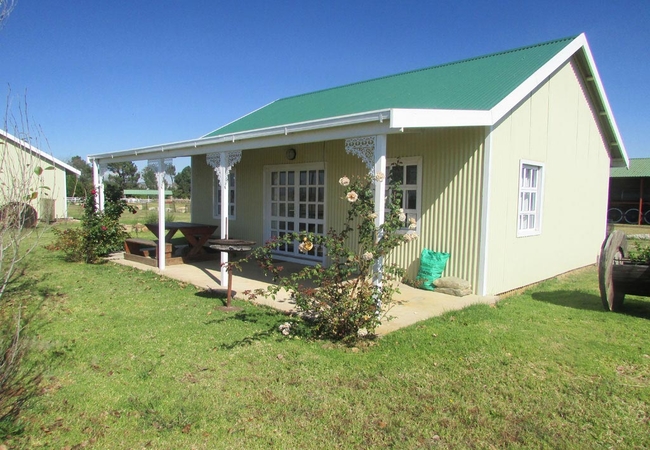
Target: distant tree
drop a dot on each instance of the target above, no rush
(79, 186)
(183, 187)
(149, 177)
(170, 170)
(125, 175)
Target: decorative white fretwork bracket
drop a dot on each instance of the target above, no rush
(363, 148)
(214, 160)
(159, 166)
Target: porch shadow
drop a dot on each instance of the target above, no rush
(413, 305)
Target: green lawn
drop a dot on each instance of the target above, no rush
(132, 360)
(179, 210)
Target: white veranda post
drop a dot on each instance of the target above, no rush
(372, 151)
(222, 163)
(158, 166)
(98, 182)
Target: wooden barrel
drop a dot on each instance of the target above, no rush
(612, 252)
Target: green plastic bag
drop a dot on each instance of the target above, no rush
(432, 264)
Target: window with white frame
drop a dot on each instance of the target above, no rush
(216, 195)
(408, 172)
(530, 198)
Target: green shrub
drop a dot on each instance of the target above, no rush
(100, 233)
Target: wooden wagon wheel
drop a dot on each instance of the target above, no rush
(614, 249)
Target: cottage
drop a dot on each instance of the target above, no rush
(18, 178)
(498, 153)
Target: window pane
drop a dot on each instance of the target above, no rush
(312, 194)
(274, 194)
(291, 178)
(397, 173)
(312, 177)
(303, 177)
(411, 174)
(321, 177)
(274, 178)
(290, 194)
(411, 199)
(283, 178)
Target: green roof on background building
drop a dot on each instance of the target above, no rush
(639, 167)
(146, 192)
(472, 84)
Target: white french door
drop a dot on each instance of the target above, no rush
(295, 202)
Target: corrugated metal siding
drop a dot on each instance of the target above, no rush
(452, 178)
(452, 171)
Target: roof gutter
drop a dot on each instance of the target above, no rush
(202, 145)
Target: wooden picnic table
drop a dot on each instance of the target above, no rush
(197, 234)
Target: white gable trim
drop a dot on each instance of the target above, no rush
(506, 105)
(41, 154)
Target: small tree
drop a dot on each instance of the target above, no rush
(22, 189)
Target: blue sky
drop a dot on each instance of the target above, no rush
(102, 76)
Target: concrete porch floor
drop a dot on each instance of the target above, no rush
(415, 304)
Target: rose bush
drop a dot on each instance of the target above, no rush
(349, 300)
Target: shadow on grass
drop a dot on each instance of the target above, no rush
(21, 308)
(632, 306)
(266, 318)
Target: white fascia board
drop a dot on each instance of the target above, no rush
(40, 153)
(603, 96)
(524, 89)
(430, 118)
(344, 127)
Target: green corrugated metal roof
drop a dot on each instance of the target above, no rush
(639, 167)
(472, 84)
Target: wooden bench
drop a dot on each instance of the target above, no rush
(144, 250)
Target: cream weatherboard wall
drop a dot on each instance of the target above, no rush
(18, 176)
(452, 177)
(554, 126)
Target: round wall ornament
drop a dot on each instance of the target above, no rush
(291, 154)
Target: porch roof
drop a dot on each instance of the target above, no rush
(473, 92)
